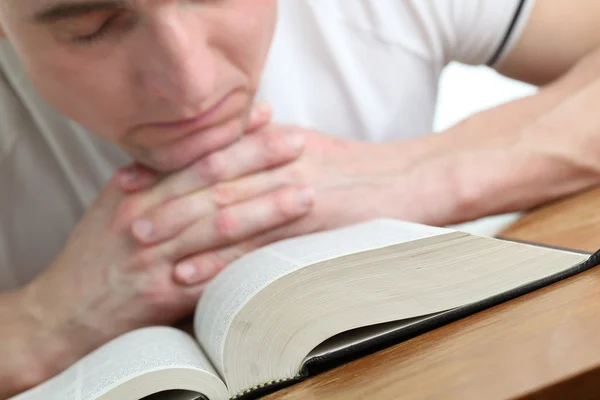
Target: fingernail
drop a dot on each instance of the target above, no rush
(263, 107)
(128, 176)
(142, 229)
(296, 140)
(260, 109)
(186, 272)
(305, 197)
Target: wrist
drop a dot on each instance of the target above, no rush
(414, 185)
(462, 187)
(55, 334)
(28, 357)
(441, 184)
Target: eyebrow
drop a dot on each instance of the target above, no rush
(67, 10)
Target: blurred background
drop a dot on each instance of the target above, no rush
(465, 90)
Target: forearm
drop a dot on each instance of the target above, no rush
(514, 156)
(460, 188)
(19, 366)
(31, 349)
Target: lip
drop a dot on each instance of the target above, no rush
(162, 133)
(197, 122)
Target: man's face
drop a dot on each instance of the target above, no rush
(166, 80)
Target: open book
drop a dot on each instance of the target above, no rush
(275, 314)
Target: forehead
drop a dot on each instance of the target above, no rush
(53, 10)
(49, 11)
(34, 4)
(27, 6)
(46, 3)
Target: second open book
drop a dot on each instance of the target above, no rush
(309, 299)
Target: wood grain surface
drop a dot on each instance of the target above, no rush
(544, 345)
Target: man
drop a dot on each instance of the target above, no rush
(172, 84)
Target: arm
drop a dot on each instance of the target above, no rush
(29, 353)
(523, 153)
(17, 373)
(517, 155)
(558, 34)
(96, 289)
(509, 158)
(103, 285)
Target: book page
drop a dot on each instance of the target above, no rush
(242, 279)
(323, 246)
(131, 355)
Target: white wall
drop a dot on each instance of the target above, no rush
(463, 91)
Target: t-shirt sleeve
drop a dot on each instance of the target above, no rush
(479, 32)
(7, 110)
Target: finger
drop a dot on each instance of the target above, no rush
(239, 222)
(108, 199)
(260, 115)
(251, 154)
(135, 178)
(164, 223)
(205, 266)
(302, 226)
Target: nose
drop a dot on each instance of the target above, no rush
(175, 61)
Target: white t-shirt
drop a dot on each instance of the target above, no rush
(362, 69)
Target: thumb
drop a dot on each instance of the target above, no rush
(260, 115)
(136, 177)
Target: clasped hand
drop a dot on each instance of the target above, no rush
(276, 182)
(143, 251)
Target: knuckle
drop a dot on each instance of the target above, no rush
(224, 194)
(211, 169)
(274, 147)
(144, 260)
(169, 214)
(128, 210)
(178, 214)
(285, 205)
(214, 262)
(226, 226)
(295, 176)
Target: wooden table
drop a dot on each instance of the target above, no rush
(544, 345)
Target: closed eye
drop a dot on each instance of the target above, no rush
(104, 28)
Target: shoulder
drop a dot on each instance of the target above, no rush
(440, 30)
(391, 19)
(11, 107)
(397, 23)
